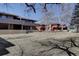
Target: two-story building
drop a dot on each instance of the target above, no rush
(13, 22)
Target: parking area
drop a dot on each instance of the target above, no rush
(27, 44)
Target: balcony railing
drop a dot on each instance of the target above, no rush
(14, 21)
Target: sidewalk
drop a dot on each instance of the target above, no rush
(26, 44)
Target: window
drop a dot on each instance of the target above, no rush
(9, 17)
(0, 16)
(3, 17)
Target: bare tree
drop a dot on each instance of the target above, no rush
(48, 16)
(66, 13)
(32, 6)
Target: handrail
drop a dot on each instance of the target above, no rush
(14, 21)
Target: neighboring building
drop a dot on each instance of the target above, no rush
(51, 27)
(57, 27)
(13, 22)
(41, 27)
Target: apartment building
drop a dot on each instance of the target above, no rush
(14, 22)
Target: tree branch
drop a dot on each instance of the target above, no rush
(45, 6)
(31, 7)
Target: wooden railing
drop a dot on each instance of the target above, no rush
(14, 21)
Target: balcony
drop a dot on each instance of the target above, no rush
(15, 21)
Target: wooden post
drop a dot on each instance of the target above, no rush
(21, 27)
(30, 27)
(12, 26)
(8, 26)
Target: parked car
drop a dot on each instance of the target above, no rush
(72, 28)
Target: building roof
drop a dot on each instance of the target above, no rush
(22, 18)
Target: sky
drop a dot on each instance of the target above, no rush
(20, 9)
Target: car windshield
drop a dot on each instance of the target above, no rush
(72, 27)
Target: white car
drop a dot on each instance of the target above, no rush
(72, 29)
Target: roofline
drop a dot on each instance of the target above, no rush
(17, 16)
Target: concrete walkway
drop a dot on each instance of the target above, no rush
(26, 44)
